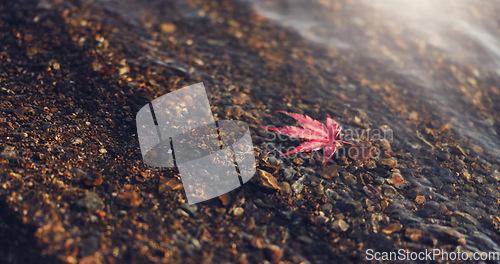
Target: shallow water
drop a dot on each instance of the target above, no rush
(418, 41)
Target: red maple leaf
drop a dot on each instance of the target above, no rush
(318, 135)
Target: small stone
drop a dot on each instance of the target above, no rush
(285, 188)
(413, 234)
(13, 175)
(384, 144)
(103, 151)
(420, 199)
(76, 141)
(414, 116)
(390, 163)
(190, 209)
(339, 226)
(275, 252)
(168, 28)
(238, 211)
(321, 219)
(91, 201)
(234, 111)
(169, 184)
(350, 179)
(388, 190)
(332, 194)
(92, 179)
(298, 186)
(328, 207)
(371, 191)
(298, 161)
(274, 161)
(225, 199)
(331, 171)
(267, 180)
(391, 228)
(305, 239)
(129, 198)
(397, 180)
(370, 164)
(289, 173)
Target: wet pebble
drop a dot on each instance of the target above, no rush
(327, 208)
(129, 198)
(76, 141)
(285, 188)
(91, 201)
(289, 173)
(391, 228)
(238, 211)
(350, 179)
(332, 194)
(190, 209)
(388, 163)
(298, 186)
(420, 199)
(339, 226)
(92, 179)
(266, 180)
(234, 111)
(274, 252)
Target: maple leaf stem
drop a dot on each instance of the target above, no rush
(341, 141)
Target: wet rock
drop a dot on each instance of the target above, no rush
(350, 179)
(330, 171)
(169, 184)
(238, 211)
(289, 173)
(339, 226)
(384, 145)
(92, 179)
(321, 219)
(168, 28)
(391, 228)
(371, 191)
(388, 190)
(274, 252)
(420, 199)
(274, 161)
(370, 164)
(190, 209)
(464, 218)
(352, 206)
(129, 198)
(332, 194)
(298, 185)
(234, 111)
(76, 141)
(285, 188)
(225, 199)
(266, 180)
(388, 163)
(91, 201)
(397, 180)
(327, 208)
(305, 239)
(457, 150)
(413, 234)
(298, 161)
